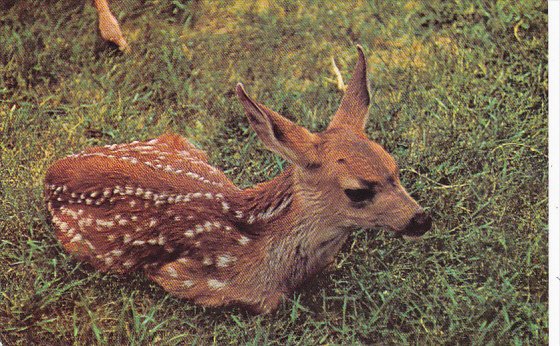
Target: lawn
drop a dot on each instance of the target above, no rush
(459, 91)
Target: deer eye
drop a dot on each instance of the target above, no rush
(359, 195)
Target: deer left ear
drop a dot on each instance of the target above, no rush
(353, 109)
(295, 143)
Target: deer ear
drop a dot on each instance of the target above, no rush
(279, 134)
(353, 109)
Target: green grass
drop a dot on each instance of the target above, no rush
(459, 98)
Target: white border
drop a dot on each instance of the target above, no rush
(553, 171)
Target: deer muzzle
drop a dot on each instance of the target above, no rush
(419, 224)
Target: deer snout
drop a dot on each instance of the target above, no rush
(419, 224)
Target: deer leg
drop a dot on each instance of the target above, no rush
(109, 26)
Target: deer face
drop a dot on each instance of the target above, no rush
(350, 178)
(360, 181)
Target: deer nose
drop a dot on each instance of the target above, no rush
(420, 223)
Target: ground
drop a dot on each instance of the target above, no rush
(459, 98)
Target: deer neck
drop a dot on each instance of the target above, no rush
(267, 202)
(298, 236)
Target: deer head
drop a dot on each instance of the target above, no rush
(339, 171)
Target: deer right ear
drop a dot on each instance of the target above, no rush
(279, 134)
(354, 107)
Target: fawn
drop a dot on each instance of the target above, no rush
(159, 206)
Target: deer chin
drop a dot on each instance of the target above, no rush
(412, 234)
(407, 234)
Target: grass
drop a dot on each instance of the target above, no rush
(459, 98)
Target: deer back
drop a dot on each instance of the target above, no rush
(143, 203)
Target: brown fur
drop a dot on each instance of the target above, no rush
(160, 207)
(109, 27)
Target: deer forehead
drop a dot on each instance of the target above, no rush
(353, 156)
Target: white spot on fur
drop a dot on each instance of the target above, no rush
(188, 283)
(85, 222)
(243, 240)
(215, 284)
(172, 272)
(225, 260)
(189, 233)
(62, 225)
(77, 238)
(208, 226)
(89, 244)
(251, 219)
(225, 207)
(70, 212)
(105, 223)
(138, 242)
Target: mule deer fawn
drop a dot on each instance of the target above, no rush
(159, 206)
